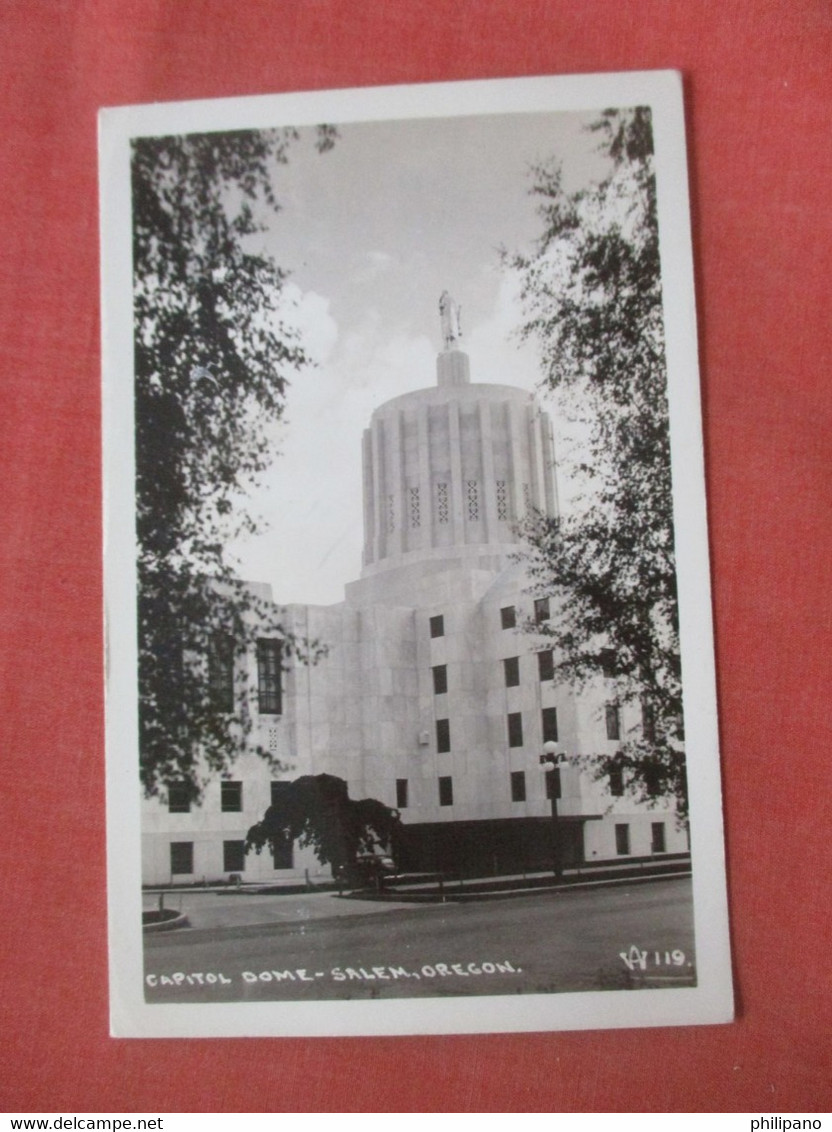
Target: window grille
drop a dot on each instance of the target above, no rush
(473, 501)
(502, 501)
(415, 516)
(442, 502)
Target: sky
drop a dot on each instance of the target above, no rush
(372, 233)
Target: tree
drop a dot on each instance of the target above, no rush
(213, 355)
(317, 810)
(592, 296)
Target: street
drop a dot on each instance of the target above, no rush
(604, 938)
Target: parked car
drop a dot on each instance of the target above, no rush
(368, 870)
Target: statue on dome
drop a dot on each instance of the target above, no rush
(449, 312)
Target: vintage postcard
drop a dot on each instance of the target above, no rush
(411, 718)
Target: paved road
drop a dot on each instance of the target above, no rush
(550, 941)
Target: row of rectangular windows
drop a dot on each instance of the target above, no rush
(231, 797)
(233, 857)
(514, 721)
(508, 617)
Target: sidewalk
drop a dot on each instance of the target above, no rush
(233, 908)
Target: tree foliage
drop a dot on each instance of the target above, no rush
(592, 297)
(213, 356)
(317, 810)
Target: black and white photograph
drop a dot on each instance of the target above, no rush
(411, 722)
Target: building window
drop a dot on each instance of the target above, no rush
(415, 519)
(401, 793)
(440, 679)
(541, 609)
(622, 840)
(437, 626)
(648, 721)
(515, 729)
(473, 501)
(652, 780)
(512, 671)
(549, 717)
(446, 791)
(233, 856)
(231, 797)
(443, 736)
(179, 798)
(502, 502)
(221, 671)
(657, 842)
(508, 617)
(278, 789)
(181, 857)
(283, 853)
(613, 719)
(606, 659)
(616, 774)
(518, 786)
(442, 502)
(546, 664)
(553, 783)
(269, 699)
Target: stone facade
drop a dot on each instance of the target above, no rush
(434, 696)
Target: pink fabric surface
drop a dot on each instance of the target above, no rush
(758, 84)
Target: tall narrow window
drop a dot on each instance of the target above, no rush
(512, 671)
(221, 671)
(437, 626)
(181, 857)
(179, 798)
(546, 664)
(401, 793)
(508, 617)
(446, 791)
(613, 716)
(269, 698)
(233, 856)
(518, 786)
(622, 840)
(616, 774)
(648, 721)
(541, 609)
(231, 797)
(515, 729)
(443, 736)
(440, 679)
(549, 719)
(657, 841)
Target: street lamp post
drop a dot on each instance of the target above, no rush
(550, 755)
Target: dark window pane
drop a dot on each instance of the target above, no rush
(233, 856)
(518, 786)
(446, 791)
(616, 781)
(269, 698)
(181, 857)
(613, 721)
(401, 793)
(443, 736)
(546, 664)
(549, 717)
(553, 783)
(622, 840)
(279, 791)
(541, 609)
(437, 626)
(231, 797)
(657, 837)
(606, 658)
(508, 617)
(179, 799)
(648, 721)
(440, 679)
(515, 729)
(512, 670)
(221, 671)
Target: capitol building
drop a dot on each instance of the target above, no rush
(436, 696)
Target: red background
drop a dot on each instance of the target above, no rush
(758, 84)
